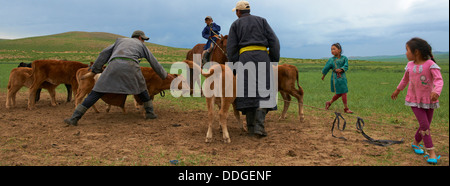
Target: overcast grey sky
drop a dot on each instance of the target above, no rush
(306, 28)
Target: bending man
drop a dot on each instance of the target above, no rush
(122, 75)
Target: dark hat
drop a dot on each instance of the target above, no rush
(138, 33)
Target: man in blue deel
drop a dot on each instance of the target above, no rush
(211, 33)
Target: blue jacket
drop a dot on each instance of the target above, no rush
(206, 33)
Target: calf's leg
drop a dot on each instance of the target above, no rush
(287, 102)
(210, 106)
(223, 114)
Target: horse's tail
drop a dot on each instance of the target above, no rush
(210, 73)
(298, 83)
(192, 65)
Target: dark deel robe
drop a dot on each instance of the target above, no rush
(250, 30)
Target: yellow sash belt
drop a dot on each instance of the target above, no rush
(252, 48)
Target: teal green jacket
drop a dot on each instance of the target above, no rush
(338, 84)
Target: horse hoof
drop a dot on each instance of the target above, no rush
(208, 140)
(282, 118)
(227, 140)
(302, 120)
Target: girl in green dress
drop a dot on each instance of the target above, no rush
(339, 65)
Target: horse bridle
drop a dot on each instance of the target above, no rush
(216, 43)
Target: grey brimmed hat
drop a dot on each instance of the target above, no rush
(138, 33)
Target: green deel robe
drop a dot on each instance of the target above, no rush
(338, 84)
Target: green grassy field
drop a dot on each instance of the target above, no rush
(370, 83)
(442, 56)
(75, 46)
(370, 87)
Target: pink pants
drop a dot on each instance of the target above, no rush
(424, 116)
(344, 97)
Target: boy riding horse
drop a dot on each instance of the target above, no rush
(211, 33)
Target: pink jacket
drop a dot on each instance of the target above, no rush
(423, 79)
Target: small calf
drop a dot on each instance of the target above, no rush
(38, 93)
(20, 77)
(155, 85)
(55, 72)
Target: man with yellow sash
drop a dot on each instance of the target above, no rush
(252, 40)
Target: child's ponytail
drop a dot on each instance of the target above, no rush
(430, 52)
(432, 58)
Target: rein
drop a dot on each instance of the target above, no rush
(216, 43)
(359, 127)
(338, 119)
(384, 143)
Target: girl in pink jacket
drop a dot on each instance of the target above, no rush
(425, 85)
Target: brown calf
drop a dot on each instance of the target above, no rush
(223, 101)
(84, 86)
(68, 87)
(20, 77)
(287, 75)
(287, 78)
(55, 72)
(155, 85)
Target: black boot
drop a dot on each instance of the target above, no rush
(149, 114)
(260, 117)
(250, 117)
(205, 58)
(77, 114)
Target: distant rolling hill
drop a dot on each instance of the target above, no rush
(85, 47)
(439, 56)
(76, 46)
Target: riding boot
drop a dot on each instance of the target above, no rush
(77, 114)
(149, 114)
(205, 58)
(260, 117)
(250, 117)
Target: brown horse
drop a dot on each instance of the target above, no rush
(218, 53)
(287, 76)
(198, 49)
